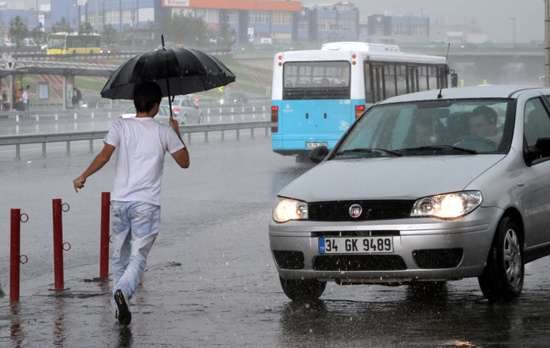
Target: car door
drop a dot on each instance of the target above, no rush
(536, 124)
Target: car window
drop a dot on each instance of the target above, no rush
(432, 128)
(536, 123)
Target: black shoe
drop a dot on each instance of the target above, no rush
(123, 312)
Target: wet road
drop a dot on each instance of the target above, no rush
(210, 280)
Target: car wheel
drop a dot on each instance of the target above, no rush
(303, 289)
(502, 279)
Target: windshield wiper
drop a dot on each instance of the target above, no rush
(440, 148)
(369, 151)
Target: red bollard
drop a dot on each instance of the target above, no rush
(58, 243)
(15, 252)
(105, 229)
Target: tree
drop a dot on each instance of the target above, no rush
(85, 29)
(18, 31)
(38, 35)
(62, 26)
(109, 35)
(185, 29)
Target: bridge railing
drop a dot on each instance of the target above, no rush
(90, 136)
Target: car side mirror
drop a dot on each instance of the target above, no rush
(318, 154)
(540, 153)
(542, 147)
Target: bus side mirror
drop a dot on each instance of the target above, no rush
(454, 80)
(318, 154)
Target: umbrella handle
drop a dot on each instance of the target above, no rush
(162, 41)
(170, 97)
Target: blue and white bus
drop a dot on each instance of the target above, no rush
(318, 94)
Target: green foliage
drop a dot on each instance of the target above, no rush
(85, 29)
(109, 35)
(185, 29)
(62, 26)
(39, 36)
(18, 31)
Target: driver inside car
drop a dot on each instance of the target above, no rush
(483, 124)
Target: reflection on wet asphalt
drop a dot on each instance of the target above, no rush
(210, 280)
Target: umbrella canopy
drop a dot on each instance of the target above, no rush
(176, 70)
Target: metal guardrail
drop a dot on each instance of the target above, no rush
(188, 130)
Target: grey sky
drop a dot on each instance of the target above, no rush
(491, 15)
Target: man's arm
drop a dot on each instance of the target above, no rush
(99, 161)
(181, 156)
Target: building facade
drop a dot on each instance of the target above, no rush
(387, 28)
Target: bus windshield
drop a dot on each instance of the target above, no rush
(316, 80)
(56, 42)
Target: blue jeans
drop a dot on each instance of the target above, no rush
(135, 226)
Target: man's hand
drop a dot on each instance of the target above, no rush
(174, 124)
(79, 183)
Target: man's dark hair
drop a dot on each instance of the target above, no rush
(146, 95)
(488, 113)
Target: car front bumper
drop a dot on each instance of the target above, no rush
(424, 249)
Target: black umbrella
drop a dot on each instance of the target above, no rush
(176, 70)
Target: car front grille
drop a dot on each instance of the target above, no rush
(371, 210)
(359, 263)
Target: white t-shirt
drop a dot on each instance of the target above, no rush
(141, 143)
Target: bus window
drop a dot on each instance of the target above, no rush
(401, 79)
(316, 80)
(391, 87)
(423, 78)
(413, 79)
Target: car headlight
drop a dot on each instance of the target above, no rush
(289, 209)
(447, 206)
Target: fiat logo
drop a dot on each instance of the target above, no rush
(355, 210)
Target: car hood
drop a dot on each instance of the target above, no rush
(388, 177)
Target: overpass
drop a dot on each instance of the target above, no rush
(490, 63)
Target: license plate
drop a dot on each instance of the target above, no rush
(369, 245)
(314, 145)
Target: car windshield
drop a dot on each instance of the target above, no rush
(446, 127)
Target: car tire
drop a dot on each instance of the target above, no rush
(306, 290)
(502, 279)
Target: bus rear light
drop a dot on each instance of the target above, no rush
(359, 110)
(275, 119)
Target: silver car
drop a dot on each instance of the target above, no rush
(422, 189)
(187, 108)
